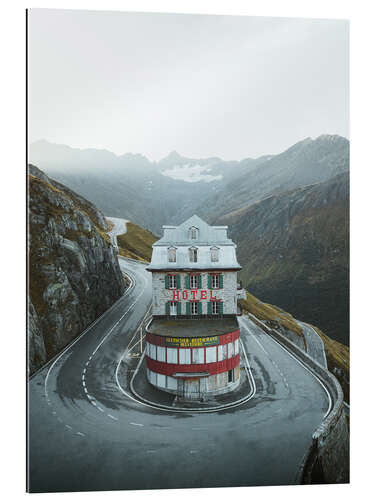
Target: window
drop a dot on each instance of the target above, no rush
(172, 281)
(173, 308)
(160, 353)
(172, 254)
(184, 356)
(215, 281)
(171, 355)
(230, 376)
(193, 254)
(198, 355)
(230, 350)
(214, 254)
(194, 307)
(152, 351)
(193, 232)
(221, 352)
(194, 281)
(215, 308)
(236, 347)
(211, 354)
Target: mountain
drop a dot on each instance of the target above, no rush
(149, 193)
(337, 354)
(74, 275)
(294, 249)
(307, 162)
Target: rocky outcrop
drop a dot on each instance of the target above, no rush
(74, 275)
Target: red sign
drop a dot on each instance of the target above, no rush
(193, 295)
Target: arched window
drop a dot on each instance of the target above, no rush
(193, 254)
(172, 254)
(214, 254)
(193, 233)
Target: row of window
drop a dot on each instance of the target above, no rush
(173, 308)
(193, 254)
(192, 355)
(193, 281)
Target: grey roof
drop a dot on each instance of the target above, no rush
(200, 327)
(207, 237)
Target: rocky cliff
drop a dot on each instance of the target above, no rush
(74, 275)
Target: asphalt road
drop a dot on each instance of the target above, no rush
(119, 227)
(315, 345)
(85, 434)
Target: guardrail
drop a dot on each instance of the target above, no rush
(333, 417)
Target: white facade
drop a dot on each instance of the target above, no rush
(227, 295)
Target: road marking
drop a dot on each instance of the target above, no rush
(99, 408)
(80, 433)
(111, 416)
(308, 370)
(68, 426)
(133, 423)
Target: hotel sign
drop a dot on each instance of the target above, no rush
(191, 342)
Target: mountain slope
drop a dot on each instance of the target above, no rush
(307, 162)
(294, 249)
(136, 243)
(74, 275)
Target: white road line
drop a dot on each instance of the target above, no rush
(80, 434)
(133, 423)
(68, 426)
(100, 409)
(310, 372)
(111, 416)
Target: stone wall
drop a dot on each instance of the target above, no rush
(228, 294)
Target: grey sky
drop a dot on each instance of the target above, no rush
(223, 86)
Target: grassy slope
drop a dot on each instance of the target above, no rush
(337, 354)
(271, 314)
(136, 243)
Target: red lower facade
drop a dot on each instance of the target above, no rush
(194, 367)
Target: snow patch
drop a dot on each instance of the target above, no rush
(191, 173)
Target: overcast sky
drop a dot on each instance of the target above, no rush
(225, 86)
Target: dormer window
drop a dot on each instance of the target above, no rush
(172, 254)
(193, 233)
(214, 254)
(193, 254)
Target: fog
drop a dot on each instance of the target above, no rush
(225, 86)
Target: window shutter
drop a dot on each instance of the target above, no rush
(178, 281)
(167, 308)
(209, 308)
(178, 308)
(209, 281)
(199, 307)
(199, 281)
(187, 282)
(221, 280)
(188, 308)
(221, 304)
(166, 280)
